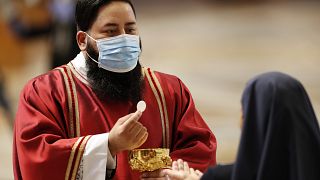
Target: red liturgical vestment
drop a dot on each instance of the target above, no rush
(61, 126)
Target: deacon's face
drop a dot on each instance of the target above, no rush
(114, 19)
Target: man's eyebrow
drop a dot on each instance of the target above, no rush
(131, 23)
(110, 25)
(116, 25)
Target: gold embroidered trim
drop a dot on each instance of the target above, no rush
(79, 155)
(71, 123)
(74, 121)
(73, 151)
(76, 104)
(152, 85)
(165, 107)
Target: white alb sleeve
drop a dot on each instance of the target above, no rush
(97, 158)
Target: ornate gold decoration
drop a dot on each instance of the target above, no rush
(149, 159)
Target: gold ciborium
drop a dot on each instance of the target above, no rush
(149, 159)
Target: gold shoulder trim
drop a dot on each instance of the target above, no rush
(158, 92)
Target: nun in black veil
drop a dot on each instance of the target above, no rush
(280, 137)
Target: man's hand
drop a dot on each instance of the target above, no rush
(127, 134)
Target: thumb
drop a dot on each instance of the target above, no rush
(133, 117)
(172, 174)
(123, 119)
(163, 172)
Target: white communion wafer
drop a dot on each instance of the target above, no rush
(141, 106)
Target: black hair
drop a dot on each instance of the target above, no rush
(87, 11)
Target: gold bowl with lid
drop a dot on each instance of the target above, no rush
(149, 159)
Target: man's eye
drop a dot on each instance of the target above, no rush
(131, 31)
(110, 31)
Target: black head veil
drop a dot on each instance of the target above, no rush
(280, 136)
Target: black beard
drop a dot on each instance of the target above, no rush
(114, 86)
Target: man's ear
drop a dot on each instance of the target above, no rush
(82, 40)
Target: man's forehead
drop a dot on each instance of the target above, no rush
(116, 12)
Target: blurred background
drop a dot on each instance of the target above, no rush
(215, 47)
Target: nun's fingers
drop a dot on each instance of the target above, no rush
(175, 166)
(192, 171)
(180, 165)
(186, 167)
(199, 173)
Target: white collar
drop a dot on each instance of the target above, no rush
(78, 64)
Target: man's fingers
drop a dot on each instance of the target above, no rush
(124, 118)
(134, 117)
(140, 131)
(135, 128)
(143, 139)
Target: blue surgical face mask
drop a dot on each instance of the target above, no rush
(118, 54)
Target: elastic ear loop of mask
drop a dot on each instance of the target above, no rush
(87, 52)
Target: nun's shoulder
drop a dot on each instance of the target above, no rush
(219, 172)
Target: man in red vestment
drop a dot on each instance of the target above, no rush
(79, 121)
